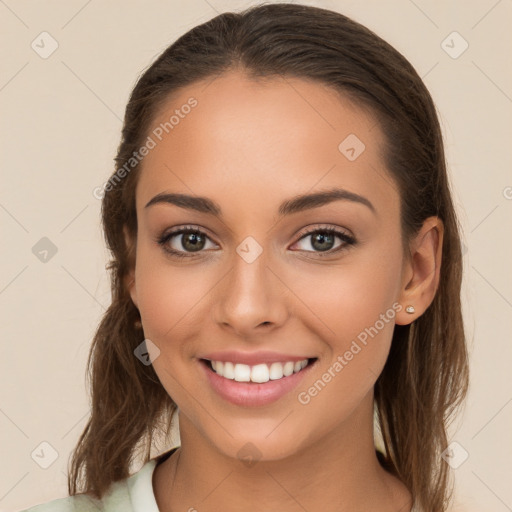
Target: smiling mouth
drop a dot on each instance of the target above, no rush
(259, 373)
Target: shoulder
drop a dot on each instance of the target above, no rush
(78, 503)
(133, 494)
(117, 499)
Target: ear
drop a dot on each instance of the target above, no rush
(129, 281)
(421, 271)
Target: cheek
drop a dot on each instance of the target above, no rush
(170, 297)
(349, 298)
(356, 305)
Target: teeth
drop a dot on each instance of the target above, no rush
(242, 373)
(259, 373)
(276, 371)
(288, 368)
(228, 370)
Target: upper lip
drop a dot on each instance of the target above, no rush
(252, 358)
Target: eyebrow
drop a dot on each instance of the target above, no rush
(295, 204)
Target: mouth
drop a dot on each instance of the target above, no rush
(255, 385)
(259, 373)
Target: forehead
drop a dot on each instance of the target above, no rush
(263, 140)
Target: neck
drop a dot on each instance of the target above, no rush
(339, 472)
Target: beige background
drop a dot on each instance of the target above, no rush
(61, 126)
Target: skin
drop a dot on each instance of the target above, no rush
(249, 146)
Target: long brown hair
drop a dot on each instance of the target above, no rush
(426, 375)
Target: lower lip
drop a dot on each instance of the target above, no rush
(252, 394)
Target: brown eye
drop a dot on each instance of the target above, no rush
(192, 241)
(323, 240)
(184, 241)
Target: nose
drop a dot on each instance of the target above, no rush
(251, 299)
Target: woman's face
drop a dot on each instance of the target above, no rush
(263, 282)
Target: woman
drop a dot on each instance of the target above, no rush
(286, 267)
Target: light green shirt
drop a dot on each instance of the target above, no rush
(133, 494)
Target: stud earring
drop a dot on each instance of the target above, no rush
(410, 309)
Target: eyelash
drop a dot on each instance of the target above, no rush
(347, 239)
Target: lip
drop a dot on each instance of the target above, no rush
(253, 358)
(252, 394)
